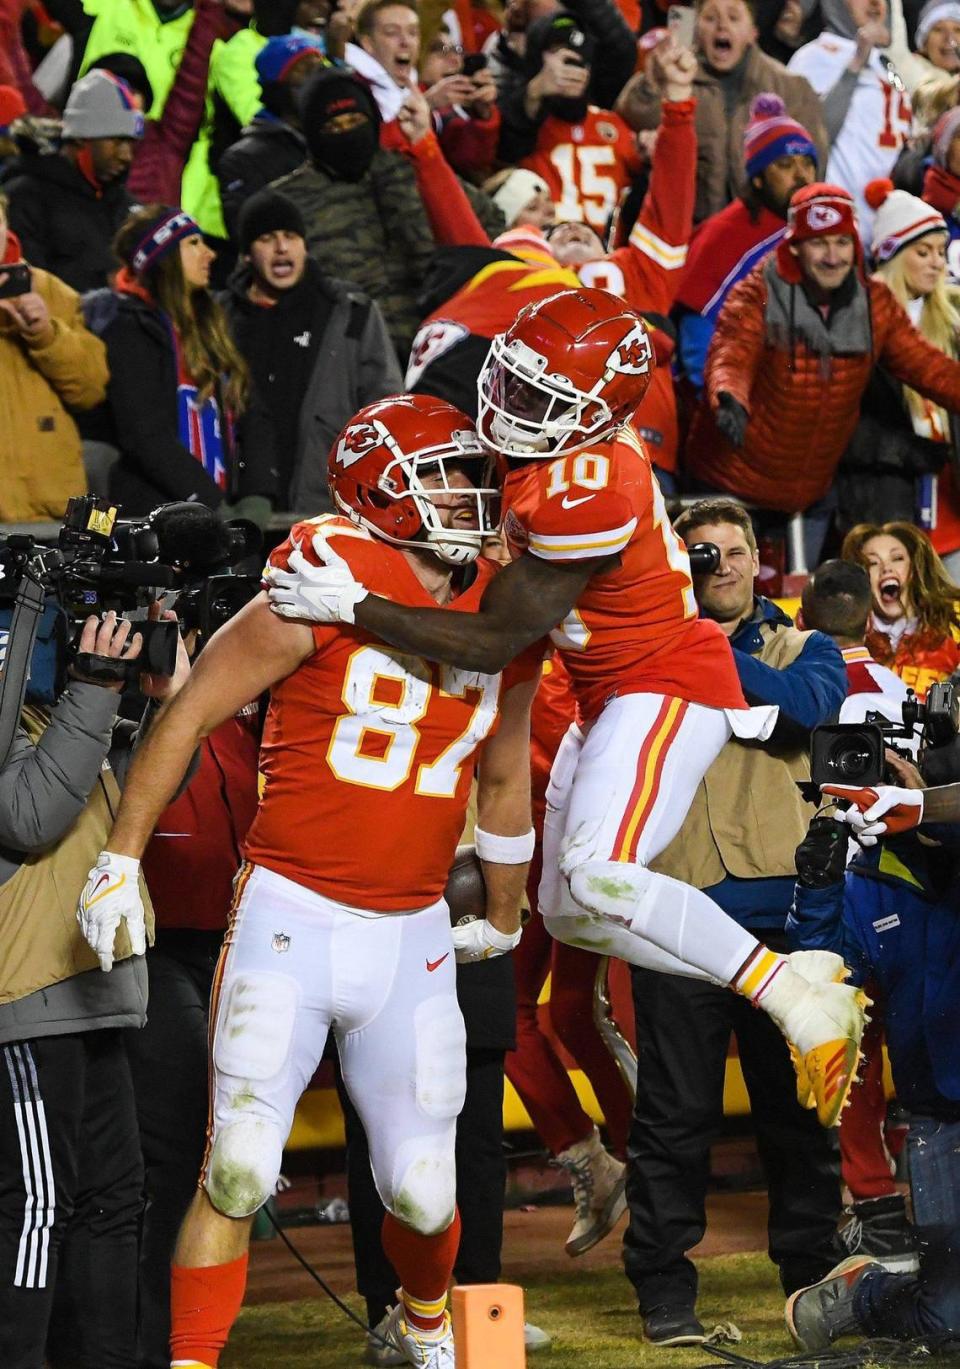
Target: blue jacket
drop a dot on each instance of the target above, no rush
(808, 691)
(896, 922)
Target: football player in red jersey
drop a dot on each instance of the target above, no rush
(599, 568)
(338, 918)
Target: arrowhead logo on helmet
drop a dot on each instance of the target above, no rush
(355, 442)
(634, 355)
(410, 469)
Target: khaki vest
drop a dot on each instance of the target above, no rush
(41, 938)
(747, 817)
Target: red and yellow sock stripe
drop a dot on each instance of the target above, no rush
(425, 1316)
(758, 973)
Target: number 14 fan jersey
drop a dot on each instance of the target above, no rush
(635, 628)
(368, 752)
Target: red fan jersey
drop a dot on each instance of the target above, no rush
(586, 165)
(636, 628)
(368, 753)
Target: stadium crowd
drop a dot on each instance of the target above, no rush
(231, 231)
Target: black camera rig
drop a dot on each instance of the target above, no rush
(854, 753)
(102, 562)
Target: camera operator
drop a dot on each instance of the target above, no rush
(894, 916)
(70, 1170)
(837, 600)
(737, 843)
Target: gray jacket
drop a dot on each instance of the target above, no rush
(43, 789)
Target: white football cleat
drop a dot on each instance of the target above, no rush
(376, 1352)
(424, 1349)
(823, 1020)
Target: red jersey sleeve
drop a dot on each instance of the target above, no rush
(579, 524)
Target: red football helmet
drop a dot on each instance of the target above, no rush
(389, 471)
(567, 373)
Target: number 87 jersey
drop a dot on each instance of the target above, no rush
(368, 753)
(635, 628)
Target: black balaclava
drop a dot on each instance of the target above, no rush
(345, 156)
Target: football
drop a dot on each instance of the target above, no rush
(466, 892)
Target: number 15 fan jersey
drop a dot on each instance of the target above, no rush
(635, 628)
(368, 752)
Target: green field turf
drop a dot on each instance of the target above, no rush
(591, 1317)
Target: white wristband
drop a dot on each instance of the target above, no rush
(504, 850)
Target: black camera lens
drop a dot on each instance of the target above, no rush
(849, 762)
(846, 753)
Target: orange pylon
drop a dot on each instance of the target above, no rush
(488, 1326)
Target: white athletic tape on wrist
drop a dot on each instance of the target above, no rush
(504, 850)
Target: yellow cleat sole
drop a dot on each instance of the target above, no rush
(831, 1072)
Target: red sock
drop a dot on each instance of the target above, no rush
(425, 1265)
(204, 1304)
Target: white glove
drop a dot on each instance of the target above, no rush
(112, 892)
(321, 594)
(479, 940)
(884, 811)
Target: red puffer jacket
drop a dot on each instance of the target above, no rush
(803, 407)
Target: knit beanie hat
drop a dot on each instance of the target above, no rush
(12, 106)
(818, 210)
(131, 70)
(100, 105)
(900, 219)
(944, 131)
(935, 12)
(771, 133)
(333, 91)
(518, 190)
(278, 56)
(815, 212)
(266, 212)
(158, 236)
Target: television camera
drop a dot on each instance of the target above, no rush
(854, 753)
(102, 562)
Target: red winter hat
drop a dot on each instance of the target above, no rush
(815, 212)
(12, 105)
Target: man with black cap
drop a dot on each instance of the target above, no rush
(272, 144)
(66, 208)
(363, 216)
(588, 156)
(515, 56)
(318, 349)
